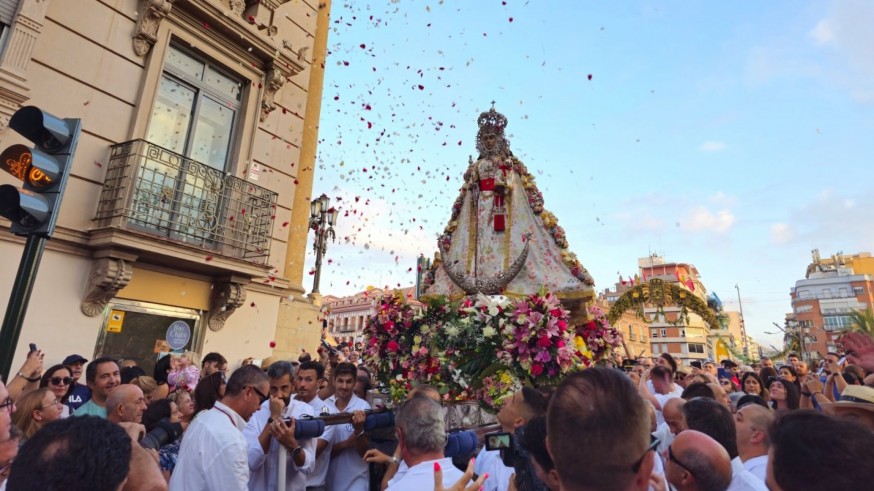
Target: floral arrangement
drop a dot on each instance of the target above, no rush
(538, 345)
(496, 388)
(482, 348)
(599, 336)
(392, 331)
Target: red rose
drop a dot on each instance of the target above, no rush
(536, 369)
(392, 346)
(560, 343)
(543, 342)
(562, 325)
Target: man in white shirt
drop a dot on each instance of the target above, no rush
(715, 420)
(267, 430)
(422, 439)
(663, 389)
(752, 422)
(348, 471)
(214, 451)
(520, 408)
(309, 374)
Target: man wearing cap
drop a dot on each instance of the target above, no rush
(856, 403)
(80, 393)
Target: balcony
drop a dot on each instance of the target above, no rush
(151, 190)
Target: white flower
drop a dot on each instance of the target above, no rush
(489, 331)
(452, 330)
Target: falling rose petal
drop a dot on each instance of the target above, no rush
(251, 19)
(98, 164)
(421, 87)
(589, 76)
(363, 45)
(208, 258)
(252, 304)
(511, 19)
(284, 224)
(272, 344)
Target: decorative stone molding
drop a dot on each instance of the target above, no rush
(108, 276)
(151, 13)
(238, 6)
(275, 79)
(23, 34)
(227, 297)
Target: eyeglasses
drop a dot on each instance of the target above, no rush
(674, 460)
(8, 405)
(652, 446)
(56, 402)
(61, 380)
(263, 396)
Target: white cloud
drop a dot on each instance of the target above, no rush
(712, 146)
(781, 233)
(723, 200)
(700, 219)
(823, 32)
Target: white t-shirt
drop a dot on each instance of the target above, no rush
(320, 473)
(264, 468)
(663, 398)
(347, 470)
(499, 474)
(420, 477)
(213, 453)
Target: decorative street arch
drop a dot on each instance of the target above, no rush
(659, 294)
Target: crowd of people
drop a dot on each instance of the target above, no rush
(644, 424)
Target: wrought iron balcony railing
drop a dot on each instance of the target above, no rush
(153, 190)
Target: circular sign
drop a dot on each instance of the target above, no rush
(178, 335)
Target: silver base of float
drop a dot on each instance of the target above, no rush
(459, 414)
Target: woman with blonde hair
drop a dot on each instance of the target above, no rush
(148, 385)
(35, 410)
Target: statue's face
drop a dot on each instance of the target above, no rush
(490, 141)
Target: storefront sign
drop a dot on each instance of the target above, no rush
(116, 319)
(178, 335)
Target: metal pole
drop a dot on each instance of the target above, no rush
(18, 300)
(743, 322)
(320, 237)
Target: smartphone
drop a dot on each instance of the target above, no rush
(32, 347)
(723, 373)
(498, 441)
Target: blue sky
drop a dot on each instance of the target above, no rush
(736, 137)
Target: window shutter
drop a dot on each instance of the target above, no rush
(7, 11)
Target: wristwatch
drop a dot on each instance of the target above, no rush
(395, 460)
(296, 451)
(29, 379)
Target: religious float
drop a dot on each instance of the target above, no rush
(506, 303)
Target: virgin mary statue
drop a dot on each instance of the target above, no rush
(500, 240)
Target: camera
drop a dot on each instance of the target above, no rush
(162, 434)
(499, 441)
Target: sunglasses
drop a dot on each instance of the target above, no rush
(674, 460)
(262, 395)
(61, 380)
(652, 446)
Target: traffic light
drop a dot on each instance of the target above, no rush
(44, 169)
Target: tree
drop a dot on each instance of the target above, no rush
(862, 321)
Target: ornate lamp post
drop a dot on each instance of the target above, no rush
(322, 220)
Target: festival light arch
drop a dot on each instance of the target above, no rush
(659, 294)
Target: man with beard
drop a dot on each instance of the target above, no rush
(348, 470)
(267, 430)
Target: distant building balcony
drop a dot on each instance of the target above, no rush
(151, 190)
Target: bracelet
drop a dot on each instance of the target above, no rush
(29, 379)
(359, 435)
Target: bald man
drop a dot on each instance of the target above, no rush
(697, 462)
(673, 412)
(720, 395)
(751, 424)
(125, 404)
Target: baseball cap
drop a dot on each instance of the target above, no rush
(74, 359)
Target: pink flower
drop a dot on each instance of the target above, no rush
(560, 343)
(536, 369)
(543, 342)
(392, 346)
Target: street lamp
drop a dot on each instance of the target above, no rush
(322, 220)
